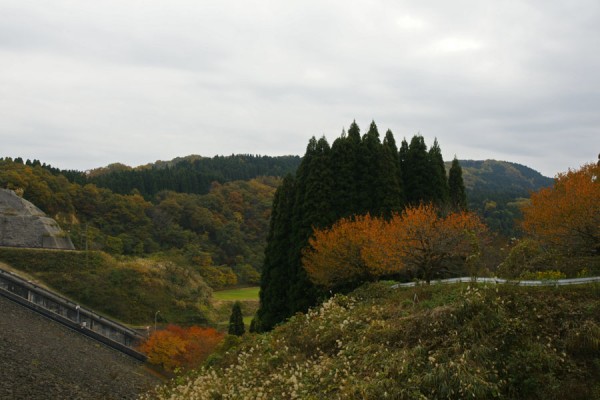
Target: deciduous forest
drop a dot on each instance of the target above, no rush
(219, 229)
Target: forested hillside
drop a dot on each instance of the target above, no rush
(497, 189)
(224, 229)
(221, 233)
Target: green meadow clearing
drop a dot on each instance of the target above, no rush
(223, 301)
(241, 294)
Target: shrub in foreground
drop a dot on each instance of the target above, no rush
(177, 347)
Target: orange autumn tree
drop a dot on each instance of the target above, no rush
(366, 248)
(567, 215)
(426, 243)
(338, 256)
(177, 347)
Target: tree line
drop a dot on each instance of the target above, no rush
(356, 175)
(188, 175)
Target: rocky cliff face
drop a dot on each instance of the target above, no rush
(24, 225)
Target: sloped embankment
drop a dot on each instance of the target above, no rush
(42, 359)
(451, 342)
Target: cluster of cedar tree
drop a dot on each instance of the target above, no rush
(354, 176)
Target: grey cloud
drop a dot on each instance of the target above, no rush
(139, 81)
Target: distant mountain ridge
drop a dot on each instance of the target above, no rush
(479, 175)
(497, 189)
(502, 175)
(191, 174)
(158, 164)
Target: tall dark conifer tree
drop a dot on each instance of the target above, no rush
(354, 141)
(313, 209)
(402, 154)
(319, 185)
(417, 172)
(458, 194)
(343, 164)
(370, 191)
(389, 142)
(354, 133)
(438, 180)
(389, 184)
(299, 220)
(276, 267)
(236, 320)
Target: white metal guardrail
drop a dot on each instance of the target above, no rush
(466, 279)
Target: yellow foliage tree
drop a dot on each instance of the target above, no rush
(345, 250)
(366, 248)
(567, 215)
(427, 243)
(163, 347)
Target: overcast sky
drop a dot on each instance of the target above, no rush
(88, 83)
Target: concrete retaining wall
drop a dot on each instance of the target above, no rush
(71, 314)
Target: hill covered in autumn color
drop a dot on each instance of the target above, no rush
(220, 233)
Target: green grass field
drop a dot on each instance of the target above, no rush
(242, 294)
(224, 299)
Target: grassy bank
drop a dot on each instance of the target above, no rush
(451, 342)
(240, 294)
(130, 290)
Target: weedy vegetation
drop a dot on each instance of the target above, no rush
(430, 342)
